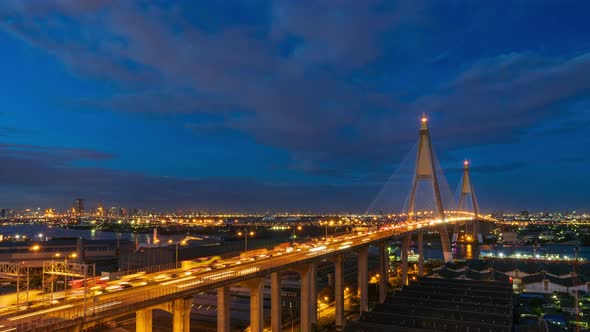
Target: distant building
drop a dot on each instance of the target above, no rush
(100, 210)
(498, 214)
(114, 211)
(78, 206)
(509, 237)
(3, 213)
(524, 213)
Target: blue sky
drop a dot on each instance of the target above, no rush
(290, 105)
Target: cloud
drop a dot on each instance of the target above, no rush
(57, 155)
(507, 94)
(234, 69)
(54, 176)
(341, 34)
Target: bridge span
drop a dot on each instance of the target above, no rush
(175, 295)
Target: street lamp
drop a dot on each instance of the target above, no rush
(36, 248)
(181, 243)
(326, 223)
(298, 228)
(246, 233)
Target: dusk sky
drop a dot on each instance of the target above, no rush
(290, 105)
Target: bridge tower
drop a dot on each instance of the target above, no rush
(425, 171)
(467, 193)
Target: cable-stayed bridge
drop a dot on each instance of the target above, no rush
(175, 291)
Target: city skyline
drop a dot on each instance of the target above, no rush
(252, 106)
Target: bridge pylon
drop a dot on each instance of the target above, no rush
(425, 172)
(467, 193)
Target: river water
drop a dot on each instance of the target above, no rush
(432, 250)
(32, 231)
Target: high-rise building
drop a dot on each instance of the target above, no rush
(78, 205)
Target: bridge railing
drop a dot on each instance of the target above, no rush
(147, 269)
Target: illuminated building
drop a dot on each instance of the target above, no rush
(78, 206)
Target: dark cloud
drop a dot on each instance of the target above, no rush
(233, 70)
(57, 155)
(52, 173)
(496, 100)
(302, 102)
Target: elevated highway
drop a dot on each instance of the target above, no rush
(175, 293)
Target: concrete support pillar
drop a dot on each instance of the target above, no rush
(445, 243)
(421, 253)
(339, 291)
(383, 272)
(256, 304)
(143, 320)
(363, 278)
(313, 294)
(456, 228)
(223, 315)
(275, 302)
(477, 231)
(305, 316)
(405, 247)
(181, 314)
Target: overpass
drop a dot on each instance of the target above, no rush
(175, 295)
(174, 292)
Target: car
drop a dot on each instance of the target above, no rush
(113, 288)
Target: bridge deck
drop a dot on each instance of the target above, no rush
(110, 305)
